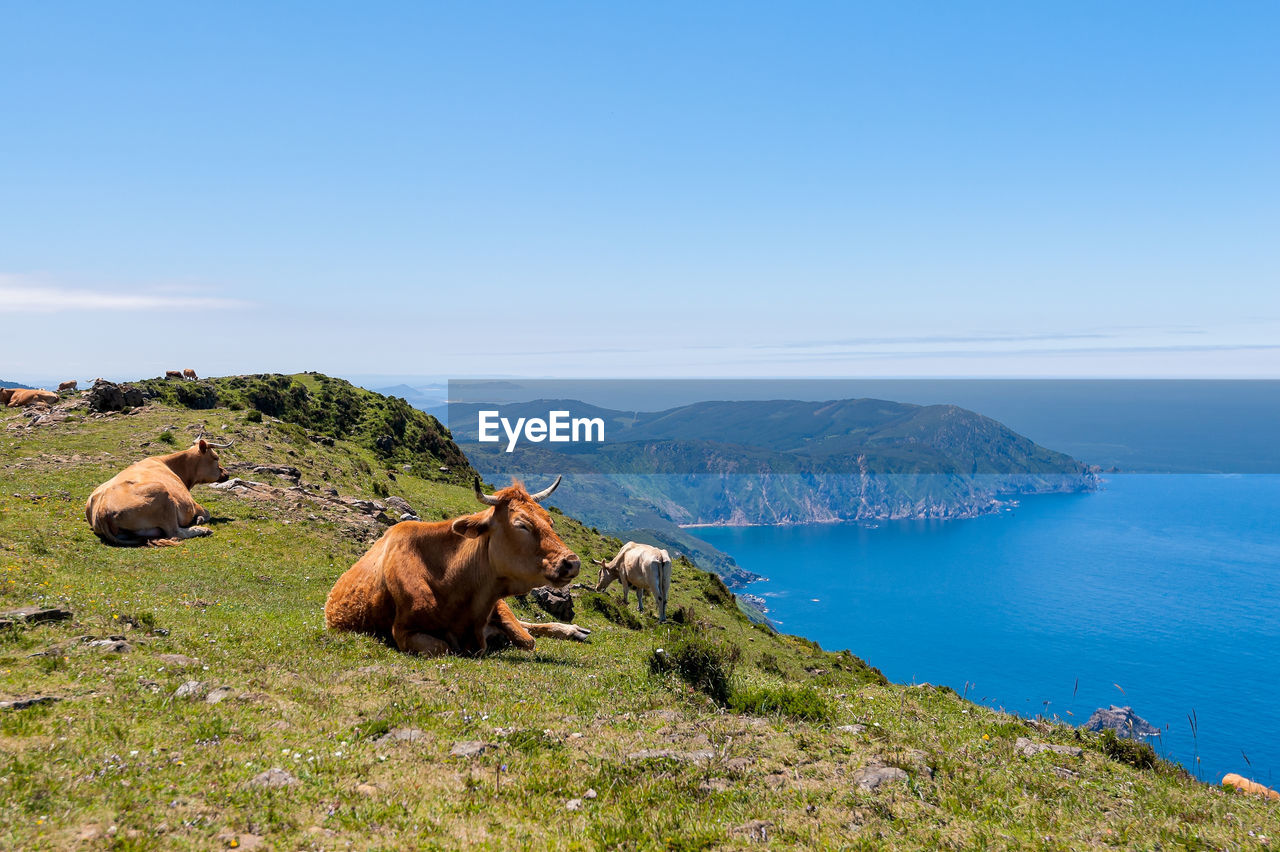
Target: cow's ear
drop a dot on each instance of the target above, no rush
(203, 445)
(471, 526)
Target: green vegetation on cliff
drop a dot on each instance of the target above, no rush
(387, 425)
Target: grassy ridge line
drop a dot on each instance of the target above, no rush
(395, 431)
(122, 763)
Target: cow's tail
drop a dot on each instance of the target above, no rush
(163, 542)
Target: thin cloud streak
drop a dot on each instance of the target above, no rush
(17, 297)
(865, 348)
(821, 344)
(980, 353)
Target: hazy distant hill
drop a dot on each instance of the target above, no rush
(5, 384)
(430, 398)
(862, 436)
(777, 462)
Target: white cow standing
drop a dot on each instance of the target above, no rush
(642, 567)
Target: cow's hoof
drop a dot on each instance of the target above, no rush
(195, 531)
(575, 633)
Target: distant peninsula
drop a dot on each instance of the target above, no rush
(778, 462)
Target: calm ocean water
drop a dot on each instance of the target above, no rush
(1160, 591)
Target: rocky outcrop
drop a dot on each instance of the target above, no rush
(556, 602)
(1123, 721)
(273, 777)
(874, 775)
(32, 615)
(401, 507)
(109, 396)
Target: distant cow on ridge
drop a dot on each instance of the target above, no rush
(642, 567)
(67, 386)
(20, 397)
(173, 374)
(438, 588)
(189, 374)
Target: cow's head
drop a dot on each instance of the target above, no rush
(6, 394)
(607, 575)
(522, 546)
(204, 462)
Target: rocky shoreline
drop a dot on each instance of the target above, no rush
(868, 514)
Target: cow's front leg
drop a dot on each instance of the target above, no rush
(556, 630)
(176, 531)
(413, 642)
(201, 516)
(640, 597)
(504, 625)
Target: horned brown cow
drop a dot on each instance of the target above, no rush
(19, 397)
(438, 588)
(150, 502)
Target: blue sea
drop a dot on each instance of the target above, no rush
(1158, 591)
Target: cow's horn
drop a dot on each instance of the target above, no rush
(220, 446)
(546, 492)
(487, 499)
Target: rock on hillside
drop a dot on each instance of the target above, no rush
(1123, 721)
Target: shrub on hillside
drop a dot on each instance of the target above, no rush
(683, 615)
(610, 609)
(714, 590)
(705, 665)
(802, 702)
(1133, 752)
(196, 395)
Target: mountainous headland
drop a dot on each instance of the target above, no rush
(780, 462)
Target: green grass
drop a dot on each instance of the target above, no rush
(124, 764)
(795, 702)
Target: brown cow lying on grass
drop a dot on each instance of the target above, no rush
(19, 397)
(150, 502)
(437, 588)
(1245, 785)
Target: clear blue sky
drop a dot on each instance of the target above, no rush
(1075, 188)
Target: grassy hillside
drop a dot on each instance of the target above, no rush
(605, 745)
(393, 429)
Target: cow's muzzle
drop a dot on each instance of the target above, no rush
(223, 476)
(564, 570)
